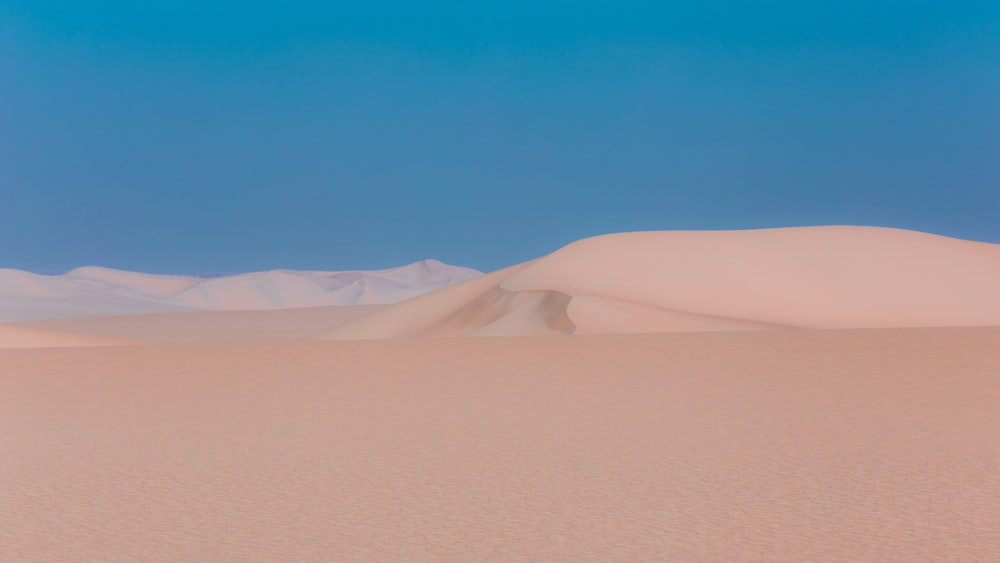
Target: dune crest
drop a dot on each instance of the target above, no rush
(685, 281)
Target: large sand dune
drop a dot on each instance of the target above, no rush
(819, 277)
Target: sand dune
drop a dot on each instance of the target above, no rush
(646, 282)
(680, 281)
(93, 291)
(844, 445)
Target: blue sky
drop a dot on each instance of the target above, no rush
(234, 136)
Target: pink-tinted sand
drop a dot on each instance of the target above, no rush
(770, 395)
(786, 445)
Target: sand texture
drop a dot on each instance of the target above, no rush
(781, 445)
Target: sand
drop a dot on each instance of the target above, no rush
(278, 325)
(18, 336)
(821, 394)
(779, 445)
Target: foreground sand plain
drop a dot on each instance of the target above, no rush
(876, 444)
(786, 394)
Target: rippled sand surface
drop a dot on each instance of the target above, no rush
(879, 444)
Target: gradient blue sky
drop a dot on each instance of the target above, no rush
(188, 136)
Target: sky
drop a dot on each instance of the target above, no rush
(223, 136)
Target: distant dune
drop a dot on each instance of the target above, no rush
(92, 291)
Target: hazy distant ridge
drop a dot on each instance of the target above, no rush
(93, 290)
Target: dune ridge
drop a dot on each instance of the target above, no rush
(93, 291)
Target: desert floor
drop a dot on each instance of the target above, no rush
(869, 444)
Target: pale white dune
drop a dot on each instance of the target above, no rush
(682, 281)
(94, 291)
(22, 284)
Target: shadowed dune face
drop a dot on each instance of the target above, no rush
(499, 313)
